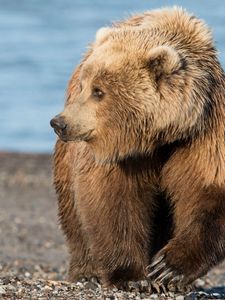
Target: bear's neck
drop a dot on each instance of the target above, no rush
(152, 163)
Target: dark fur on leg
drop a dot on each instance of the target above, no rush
(197, 247)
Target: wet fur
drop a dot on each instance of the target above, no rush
(168, 196)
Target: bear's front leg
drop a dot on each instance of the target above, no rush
(116, 214)
(199, 239)
(82, 264)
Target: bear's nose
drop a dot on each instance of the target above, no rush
(58, 123)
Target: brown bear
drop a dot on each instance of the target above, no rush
(139, 168)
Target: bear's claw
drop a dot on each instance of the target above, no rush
(160, 273)
(165, 276)
(156, 260)
(157, 269)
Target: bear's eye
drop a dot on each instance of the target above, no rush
(81, 87)
(97, 93)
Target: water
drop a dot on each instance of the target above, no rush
(42, 41)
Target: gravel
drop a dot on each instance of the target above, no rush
(33, 256)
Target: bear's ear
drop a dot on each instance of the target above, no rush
(163, 60)
(102, 34)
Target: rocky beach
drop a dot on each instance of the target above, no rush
(33, 256)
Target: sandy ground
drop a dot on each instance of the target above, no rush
(33, 256)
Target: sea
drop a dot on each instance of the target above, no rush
(42, 41)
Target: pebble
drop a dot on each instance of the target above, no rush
(2, 291)
(27, 274)
(200, 282)
(142, 295)
(11, 287)
(55, 292)
(180, 298)
(216, 295)
(47, 288)
(80, 284)
(144, 283)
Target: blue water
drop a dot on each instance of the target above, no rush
(41, 41)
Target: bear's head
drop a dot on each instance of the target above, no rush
(133, 92)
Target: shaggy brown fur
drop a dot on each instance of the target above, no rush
(148, 175)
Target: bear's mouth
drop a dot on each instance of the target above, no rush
(85, 137)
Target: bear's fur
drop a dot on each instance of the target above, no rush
(147, 176)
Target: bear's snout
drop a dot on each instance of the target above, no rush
(59, 125)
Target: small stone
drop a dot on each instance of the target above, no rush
(55, 292)
(202, 294)
(154, 296)
(11, 287)
(80, 284)
(38, 286)
(47, 288)
(144, 283)
(27, 274)
(180, 297)
(200, 282)
(190, 296)
(2, 291)
(133, 286)
(20, 291)
(170, 294)
(94, 280)
(6, 280)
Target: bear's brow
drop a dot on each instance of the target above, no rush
(86, 72)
